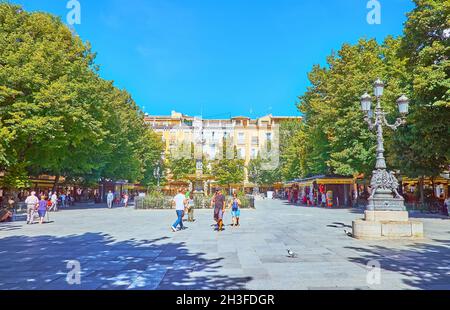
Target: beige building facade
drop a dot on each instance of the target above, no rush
(249, 137)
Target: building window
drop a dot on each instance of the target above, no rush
(255, 140)
(212, 151)
(241, 153)
(269, 136)
(254, 154)
(241, 138)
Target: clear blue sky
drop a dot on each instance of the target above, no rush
(220, 57)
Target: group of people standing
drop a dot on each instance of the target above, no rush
(184, 203)
(111, 199)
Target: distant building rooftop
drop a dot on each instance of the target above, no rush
(180, 116)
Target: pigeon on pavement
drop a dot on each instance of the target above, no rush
(291, 254)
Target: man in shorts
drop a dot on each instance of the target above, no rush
(32, 203)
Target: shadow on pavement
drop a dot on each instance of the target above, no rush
(420, 215)
(41, 263)
(427, 266)
(8, 226)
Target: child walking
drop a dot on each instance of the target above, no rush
(191, 205)
(235, 205)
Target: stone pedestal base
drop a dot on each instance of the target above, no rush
(387, 225)
(385, 201)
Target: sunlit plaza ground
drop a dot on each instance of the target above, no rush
(129, 249)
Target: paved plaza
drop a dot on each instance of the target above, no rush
(130, 249)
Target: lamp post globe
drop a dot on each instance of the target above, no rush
(366, 102)
(378, 88)
(403, 105)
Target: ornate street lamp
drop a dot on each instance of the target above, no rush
(386, 216)
(157, 174)
(383, 183)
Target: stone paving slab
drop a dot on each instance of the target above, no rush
(136, 250)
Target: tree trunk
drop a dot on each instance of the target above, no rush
(433, 186)
(421, 197)
(55, 185)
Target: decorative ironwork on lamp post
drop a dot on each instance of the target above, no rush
(157, 174)
(384, 184)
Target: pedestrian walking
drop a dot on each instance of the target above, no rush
(179, 202)
(187, 194)
(109, 199)
(219, 209)
(324, 200)
(447, 206)
(42, 209)
(32, 203)
(235, 205)
(191, 205)
(54, 200)
(125, 200)
(63, 200)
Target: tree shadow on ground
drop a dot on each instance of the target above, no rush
(412, 214)
(420, 215)
(426, 266)
(41, 263)
(357, 210)
(8, 226)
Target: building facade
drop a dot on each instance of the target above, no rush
(250, 138)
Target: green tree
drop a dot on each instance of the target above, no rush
(57, 116)
(48, 94)
(181, 162)
(255, 171)
(422, 147)
(291, 143)
(336, 138)
(151, 153)
(229, 171)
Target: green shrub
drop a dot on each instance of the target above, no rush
(157, 200)
(153, 200)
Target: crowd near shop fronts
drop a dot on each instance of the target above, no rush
(345, 191)
(323, 190)
(434, 188)
(44, 185)
(331, 191)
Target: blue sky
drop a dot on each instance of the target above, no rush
(220, 57)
